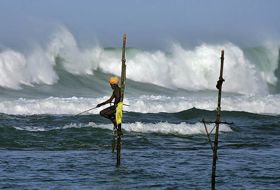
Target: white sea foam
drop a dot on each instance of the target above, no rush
(75, 60)
(17, 69)
(169, 128)
(191, 69)
(269, 104)
(195, 69)
(161, 128)
(268, 62)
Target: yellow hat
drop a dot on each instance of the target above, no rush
(114, 80)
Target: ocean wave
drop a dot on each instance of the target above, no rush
(191, 69)
(139, 127)
(18, 69)
(144, 104)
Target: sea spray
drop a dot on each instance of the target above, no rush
(74, 59)
(190, 69)
(18, 69)
(166, 128)
(269, 104)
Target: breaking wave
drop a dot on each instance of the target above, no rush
(269, 104)
(139, 127)
(191, 69)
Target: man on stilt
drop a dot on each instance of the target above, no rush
(110, 112)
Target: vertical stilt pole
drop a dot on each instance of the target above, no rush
(113, 141)
(218, 119)
(119, 141)
(123, 79)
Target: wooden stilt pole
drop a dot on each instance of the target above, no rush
(113, 141)
(123, 73)
(218, 120)
(123, 80)
(119, 141)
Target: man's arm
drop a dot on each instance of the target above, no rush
(107, 101)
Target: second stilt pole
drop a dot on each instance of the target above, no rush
(217, 123)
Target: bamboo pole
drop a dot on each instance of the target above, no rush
(218, 120)
(123, 73)
(123, 80)
(114, 140)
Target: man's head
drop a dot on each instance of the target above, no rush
(114, 81)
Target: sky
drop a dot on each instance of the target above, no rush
(149, 24)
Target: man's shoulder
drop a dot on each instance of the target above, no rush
(117, 89)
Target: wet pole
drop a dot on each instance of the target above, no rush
(123, 80)
(218, 119)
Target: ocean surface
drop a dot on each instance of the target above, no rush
(45, 145)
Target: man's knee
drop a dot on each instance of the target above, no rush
(102, 113)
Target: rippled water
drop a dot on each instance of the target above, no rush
(63, 152)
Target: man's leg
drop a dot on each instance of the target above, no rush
(110, 113)
(107, 112)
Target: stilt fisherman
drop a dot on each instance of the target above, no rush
(110, 112)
